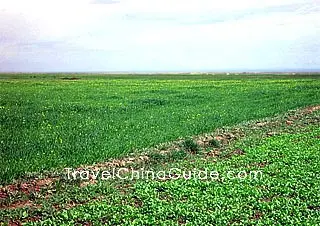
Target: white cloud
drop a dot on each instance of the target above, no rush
(127, 33)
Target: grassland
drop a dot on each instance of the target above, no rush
(48, 123)
(56, 123)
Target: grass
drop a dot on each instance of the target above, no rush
(52, 123)
(215, 143)
(190, 146)
(285, 193)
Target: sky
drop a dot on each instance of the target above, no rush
(159, 35)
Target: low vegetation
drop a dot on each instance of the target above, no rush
(48, 123)
(262, 158)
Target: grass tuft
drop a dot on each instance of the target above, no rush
(191, 146)
(215, 143)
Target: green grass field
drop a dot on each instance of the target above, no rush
(51, 122)
(47, 124)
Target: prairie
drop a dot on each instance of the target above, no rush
(51, 122)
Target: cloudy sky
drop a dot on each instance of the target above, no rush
(159, 35)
